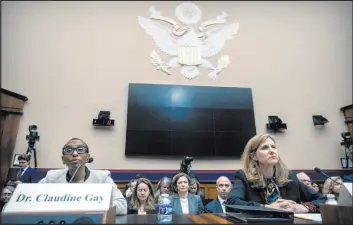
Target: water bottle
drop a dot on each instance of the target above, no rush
(331, 200)
(165, 209)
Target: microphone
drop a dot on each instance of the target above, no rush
(318, 170)
(89, 160)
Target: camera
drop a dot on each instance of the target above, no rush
(32, 138)
(33, 135)
(187, 160)
(347, 139)
(186, 164)
(275, 124)
(103, 119)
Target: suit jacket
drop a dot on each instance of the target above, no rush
(29, 176)
(244, 193)
(214, 206)
(95, 176)
(194, 203)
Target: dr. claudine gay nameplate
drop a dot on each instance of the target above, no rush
(33, 198)
(189, 47)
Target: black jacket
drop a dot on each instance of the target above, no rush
(135, 211)
(243, 193)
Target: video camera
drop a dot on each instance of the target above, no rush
(32, 138)
(33, 135)
(185, 164)
(347, 139)
(275, 124)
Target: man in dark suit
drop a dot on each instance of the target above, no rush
(26, 174)
(224, 186)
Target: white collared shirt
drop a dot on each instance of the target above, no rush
(221, 201)
(184, 205)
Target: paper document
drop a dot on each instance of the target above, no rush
(309, 216)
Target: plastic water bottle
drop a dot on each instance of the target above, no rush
(331, 200)
(165, 209)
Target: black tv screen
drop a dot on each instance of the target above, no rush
(180, 120)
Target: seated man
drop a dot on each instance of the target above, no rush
(76, 152)
(224, 186)
(305, 179)
(25, 174)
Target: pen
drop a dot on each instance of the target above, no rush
(302, 217)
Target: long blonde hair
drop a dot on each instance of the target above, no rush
(328, 185)
(162, 181)
(252, 169)
(135, 202)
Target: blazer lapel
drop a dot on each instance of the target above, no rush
(177, 204)
(191, 204)
(26, 172)
(283, 192)
(219, 206)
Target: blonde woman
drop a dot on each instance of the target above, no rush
(266, 181)
(331, 187)
(142, 200)
(164, 186)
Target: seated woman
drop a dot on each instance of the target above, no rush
(194, 188)
(130, 189)
(184, 202)
(266, 181)
(163, 187)
(331, 187)
(315, 186)
(142, 200)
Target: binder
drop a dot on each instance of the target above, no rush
(256, 214)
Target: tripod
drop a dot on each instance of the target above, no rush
(31, 148)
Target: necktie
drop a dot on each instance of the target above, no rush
(19, 174)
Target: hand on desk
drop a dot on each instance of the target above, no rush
(288, 205)
(297, 208)
(282, 204)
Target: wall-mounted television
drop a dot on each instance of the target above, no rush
(179, 120)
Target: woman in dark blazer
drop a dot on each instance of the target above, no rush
(184, 202)
(266, 181)
(142, 200)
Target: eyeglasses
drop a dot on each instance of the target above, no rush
(6, 194)
(68, 150)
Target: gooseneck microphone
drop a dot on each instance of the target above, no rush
(89, 160)
(318, 170)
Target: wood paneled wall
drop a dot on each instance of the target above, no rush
(210, 190)
(11, 111)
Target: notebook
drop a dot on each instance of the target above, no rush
(256, 214)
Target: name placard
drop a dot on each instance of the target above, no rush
(60, 198)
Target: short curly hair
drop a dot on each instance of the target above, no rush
(25, 157)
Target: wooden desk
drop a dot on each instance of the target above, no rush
(206, 218)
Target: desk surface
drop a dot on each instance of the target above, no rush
(206, 218)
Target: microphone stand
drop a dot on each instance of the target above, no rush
(77, 170)
(327, 176)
